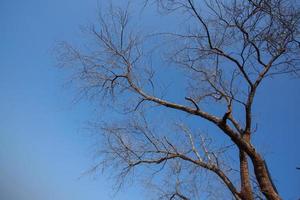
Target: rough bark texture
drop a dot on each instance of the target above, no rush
(265, 183)
(246, 189)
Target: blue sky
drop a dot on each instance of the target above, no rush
(43, 151)
(43, 147)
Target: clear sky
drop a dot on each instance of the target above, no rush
(43, 146)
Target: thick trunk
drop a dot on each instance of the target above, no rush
(261, 173)
(246, 189)
(260, 170)
(263, 178)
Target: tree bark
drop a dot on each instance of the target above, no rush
(246, 188)
(263, 178)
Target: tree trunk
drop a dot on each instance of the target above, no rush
(246, 189)
(263, 178)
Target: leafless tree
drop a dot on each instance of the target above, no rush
(224, 51)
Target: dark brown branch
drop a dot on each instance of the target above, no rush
(193, 101)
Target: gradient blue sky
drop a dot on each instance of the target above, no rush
(43, 147)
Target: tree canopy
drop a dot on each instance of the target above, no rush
(217, 58)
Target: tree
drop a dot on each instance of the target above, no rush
(224, 52)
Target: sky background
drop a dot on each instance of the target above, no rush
(44, 148)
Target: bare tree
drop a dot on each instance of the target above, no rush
(224, 51)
